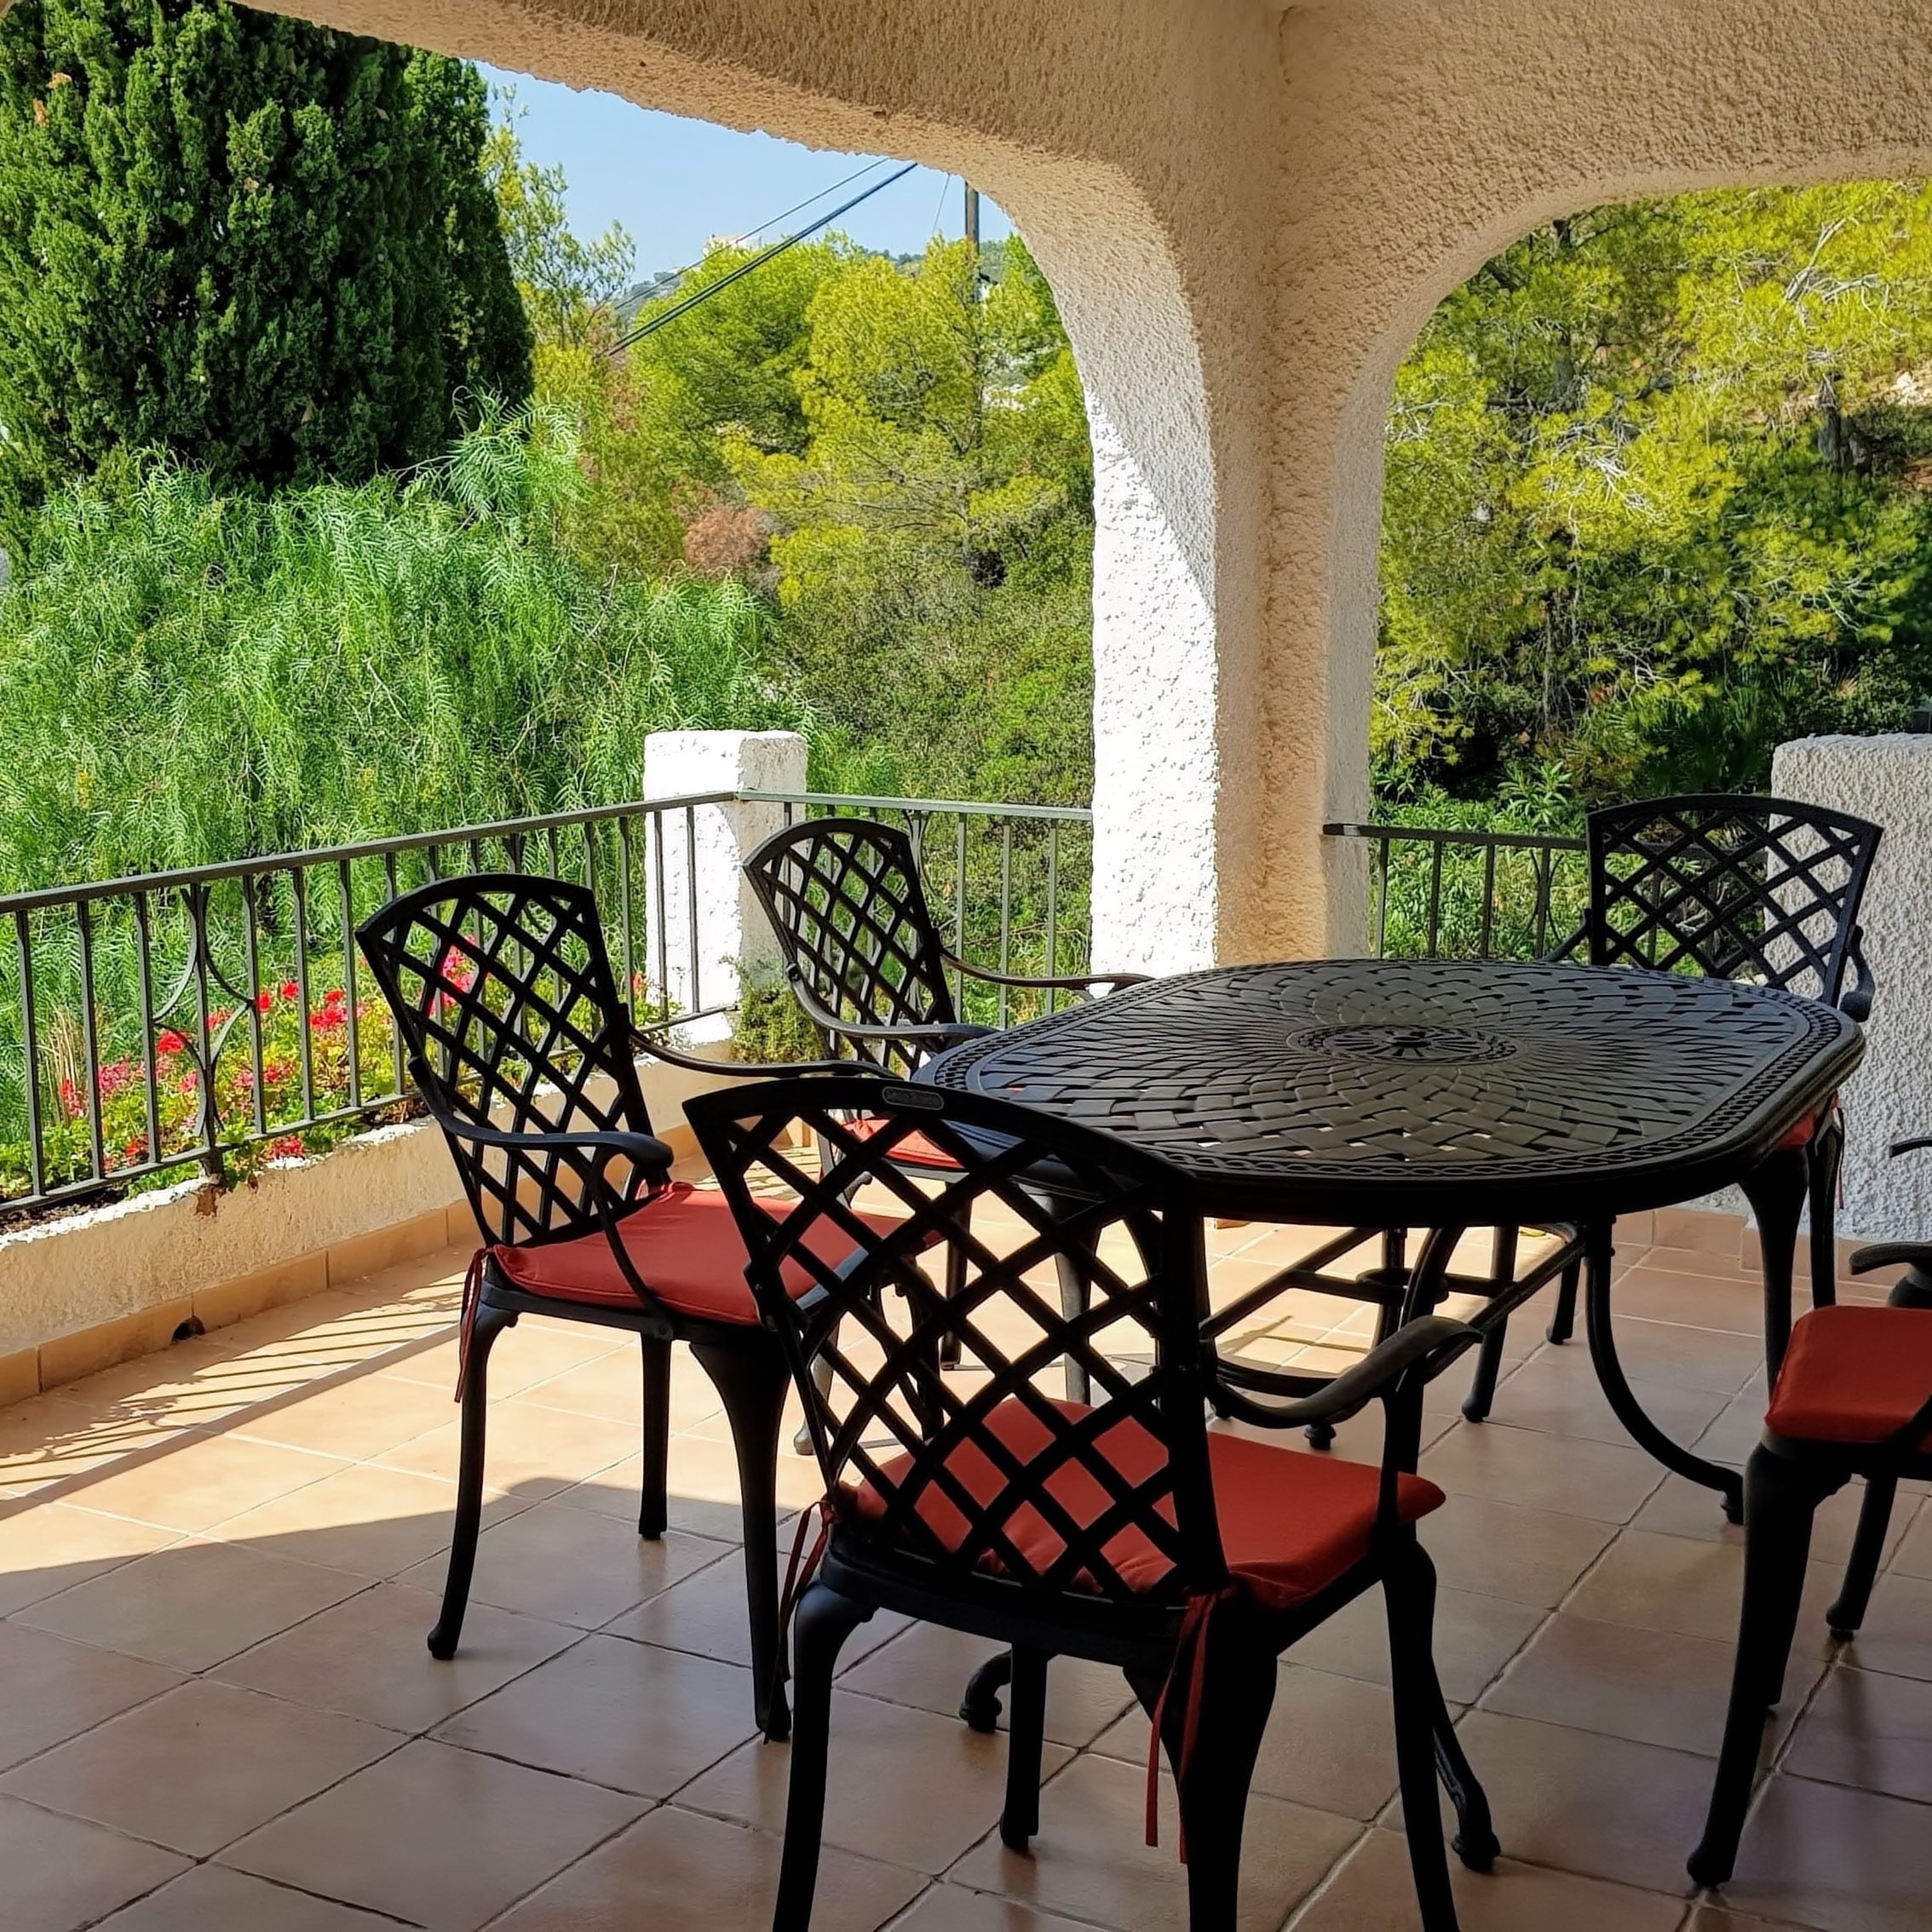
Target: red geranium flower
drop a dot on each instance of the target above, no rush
(170, 1042)
(263, 1001)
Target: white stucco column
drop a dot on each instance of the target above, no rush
(1156, 880)
(701, 849)
(1888, 780)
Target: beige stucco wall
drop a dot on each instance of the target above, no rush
(1247, 211)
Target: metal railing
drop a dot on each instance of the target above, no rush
(214, 1017)
(1448, 892)
(1010, 885)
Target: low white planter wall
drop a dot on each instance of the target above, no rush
(98, 1287)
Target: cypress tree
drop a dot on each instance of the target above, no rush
(262, 246)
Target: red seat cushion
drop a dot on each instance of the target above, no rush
(1854, 1375)
(915, 1150)
(1802, 1134)
(685, 1248)
(1291, 1522)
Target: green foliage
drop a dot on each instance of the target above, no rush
(1655, 495)
(566, 285)
(262, 247)
(769, 1027)
(186, 675)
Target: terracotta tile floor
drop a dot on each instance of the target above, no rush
(217, 1565)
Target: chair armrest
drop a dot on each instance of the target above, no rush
(1413, 1356)
(1855, 1001)
(936, 1038)
(1892, 1254)
(642, 1037)
(607, 1143)
(1912, 1146)
(1065, 983)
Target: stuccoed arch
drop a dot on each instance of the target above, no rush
(1247, 211)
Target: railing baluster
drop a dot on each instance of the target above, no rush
(959, 914)
(90, 1043)
(1052, 908)
(1382, 897)
(1005, 909)
(663, 932)
(144, 978)
(298, 879)
(251, 963)
(1488, 900)
(1434, 895)
(626, 860)
(355, 1041)
(693, 1001)
(30, 1041)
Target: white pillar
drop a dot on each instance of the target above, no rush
(1156, 761)
(713, 932)
(1888, 780)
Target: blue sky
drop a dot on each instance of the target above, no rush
(674, 183)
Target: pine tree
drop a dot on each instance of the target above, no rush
(264, 247)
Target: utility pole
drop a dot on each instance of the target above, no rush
(973, 216)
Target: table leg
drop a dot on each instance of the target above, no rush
(1776, 1189)
(1623, 1399)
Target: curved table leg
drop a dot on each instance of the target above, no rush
(1776, 1189)
(1622, 1398)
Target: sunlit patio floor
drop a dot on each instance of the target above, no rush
(217, 1565)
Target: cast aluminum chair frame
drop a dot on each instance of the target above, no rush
(1735, 886)
(1117, 1531)
(1793, 1470)
(524, 1055)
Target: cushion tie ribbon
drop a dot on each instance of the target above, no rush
(471, 1295)
(797, 1575)
(1190, 1656)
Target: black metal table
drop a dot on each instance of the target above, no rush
(1396, 1094)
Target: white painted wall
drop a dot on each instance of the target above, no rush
(1888, 780)
(703, 860)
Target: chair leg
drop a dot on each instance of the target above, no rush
(1237, 1692)
(751, 1381)
(1489, 1360)
(820, 1624)
(489, 1324)
(1780, 1500)
(1475, 1842)
(955, 1287)
(1025, 1741)
(1828, 1156)
(652, 1512)
(1563, 1317)
(1409, 1592)
(978, 1708)
(1075, 1293)
(1868, 1547)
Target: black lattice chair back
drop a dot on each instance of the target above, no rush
(510, 1017)
(1762, 889)
(976, 1479)
(844, 896)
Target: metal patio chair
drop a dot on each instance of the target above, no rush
(865, 958)
(1854, 1398)
(1125, 1530)
(1736, 886)
(525, 1057)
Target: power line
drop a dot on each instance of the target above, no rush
(758, 261)
(671, 277)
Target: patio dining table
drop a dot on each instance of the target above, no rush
(1396, 1094)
